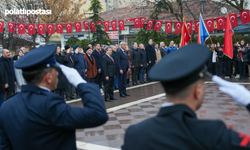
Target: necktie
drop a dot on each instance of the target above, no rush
(99, 52)
(111, 59)
(124, 53)
(70, 58)
(90, 58)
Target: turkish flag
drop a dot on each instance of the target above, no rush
(168, 26)
(220, 23)
(189, 25)
(228, 42)
(41, 28)
(106, 25)
(129, 20)
(21, 28)
(69, 27)
(143, 19)
(177, 27)
(210, 25)
(78, 26)
(59, 28)
(50, 28)
(114, 25)
(158, 24)
(185, 37)
(150, 24)
(1, 26)
(86, 25)
(196, 26)
(244, 16)
(31, 28)
(234, 20)
(99, 22)
(137, 22)
(11, 26)
(92, 26)
(121, 25)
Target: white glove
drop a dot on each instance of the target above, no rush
(238, 92)
(72, 75)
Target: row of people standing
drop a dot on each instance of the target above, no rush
(221, 64)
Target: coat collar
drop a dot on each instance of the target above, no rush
(176, 109)
(32, 88)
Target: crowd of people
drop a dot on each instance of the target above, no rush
(112, 67)
(121, 66)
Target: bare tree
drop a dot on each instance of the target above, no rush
(238, 4)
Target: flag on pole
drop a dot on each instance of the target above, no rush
(203, 34)
(228, 42)
(185, 37)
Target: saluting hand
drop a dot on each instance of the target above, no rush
(238, 92)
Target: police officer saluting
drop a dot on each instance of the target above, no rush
(176, 126)
(38, 119)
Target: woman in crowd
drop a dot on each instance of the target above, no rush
(129, 74)
(18, 74)
(157, 52)
(92, 66)
(242, 58)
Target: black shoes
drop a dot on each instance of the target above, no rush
(122, 95)
(107, 100)
(126, 94)
(68, 99)
(78, 96)
(112, 98)
(73, 97)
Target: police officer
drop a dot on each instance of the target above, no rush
(176, 125)
(36, 118)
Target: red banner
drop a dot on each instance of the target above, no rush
(185, 37)
(59, 28)
(177, 27)
(31, 28)
(150, 24)
(50, 28)
(168, 26)
(1, 26)
(21, 28)
(189, 25)
(129, 20)
(244, 16)
(78, 26)
(234, 20)
(99, 22)
(86, 25)
(68, 27)
(196, 25)
(220, 23)
(143, 19)
(121, 25)
(92, 26)
(41, 28)
(210, 25)
(137, 22)
(11, 26)
(114, 25)
(106, 25)
(158, 24)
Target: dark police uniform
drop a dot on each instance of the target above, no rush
(176, 127)
(37, 119)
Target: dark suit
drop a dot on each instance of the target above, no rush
(38, 119)
(62, 81)
(98, 59)
(122, 64)
(109, 70)
(151, 57)
(177, 127)
(69, 61)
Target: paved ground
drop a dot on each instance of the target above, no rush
(145, 102)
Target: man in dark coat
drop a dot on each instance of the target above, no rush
(9, 67)
(114, 53)
(136, 63)
(98, 58)
(176, 126)
(109, 73)
(61, 78)
(45, 121)
(162, 49)
(3, 81)
(144, 63)
(122, 68)
(69, 61)
(150, 50)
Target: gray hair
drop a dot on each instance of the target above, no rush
(161, 43)
(107, 48)
(121, 43)
(140, 45)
